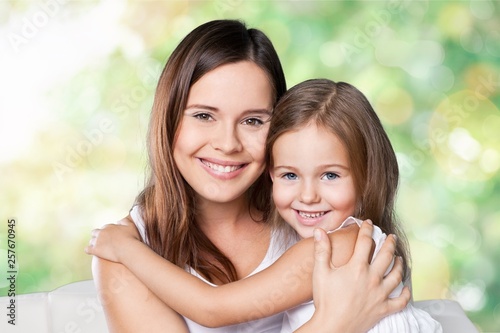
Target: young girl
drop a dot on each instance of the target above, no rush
(330, 159)
(317, 182)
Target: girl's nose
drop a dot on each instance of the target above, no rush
(309, 193)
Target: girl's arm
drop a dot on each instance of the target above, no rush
(356, 284)
(129, 306)
(285, 284)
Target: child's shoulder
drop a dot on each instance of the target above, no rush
(343, 242)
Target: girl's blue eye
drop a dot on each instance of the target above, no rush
(253, 122)
(203, 116)
(330, 176)
(290, 176)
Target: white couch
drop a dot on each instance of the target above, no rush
(74, 308)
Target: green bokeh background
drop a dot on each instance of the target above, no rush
(77, 81)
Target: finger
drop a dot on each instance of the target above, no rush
(398, 303)
(385, 257)
(322, 251)
(394, 278)
(89, 248)
(364, 242)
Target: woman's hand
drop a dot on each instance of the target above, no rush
(354, 297)
(107, 242)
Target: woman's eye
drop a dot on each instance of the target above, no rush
(290, 176)
(203, 116)
(330, 176)
(253, 122)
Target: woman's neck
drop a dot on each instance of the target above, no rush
(213, 214)
(234, 230)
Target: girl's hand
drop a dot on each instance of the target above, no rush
(107, 242)
(354, 297)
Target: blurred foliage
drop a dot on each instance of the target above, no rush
(78, 80)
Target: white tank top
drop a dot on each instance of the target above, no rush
(278, 245)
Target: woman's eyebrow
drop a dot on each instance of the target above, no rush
(202, 107)
(267, 112)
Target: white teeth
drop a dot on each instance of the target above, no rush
(311, 215)
(221, 168)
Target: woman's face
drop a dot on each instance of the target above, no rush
(219, 147)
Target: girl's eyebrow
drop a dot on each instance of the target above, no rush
(326, 166)
(284, 167)
(323, 166)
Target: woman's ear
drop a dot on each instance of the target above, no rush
(271, 174)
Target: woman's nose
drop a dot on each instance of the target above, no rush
(226, 139)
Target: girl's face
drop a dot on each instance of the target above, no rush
(219, 147)
(312, 182)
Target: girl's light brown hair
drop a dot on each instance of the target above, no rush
(167, 203)
(343, 110)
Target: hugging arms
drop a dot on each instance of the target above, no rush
(206, 208)
(341, 280)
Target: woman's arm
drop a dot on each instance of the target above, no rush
(129, 306)
(361, 287)
(285, 284)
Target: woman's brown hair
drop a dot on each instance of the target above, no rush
(343, 110)
(168, 203)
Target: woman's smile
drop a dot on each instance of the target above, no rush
(223, 170)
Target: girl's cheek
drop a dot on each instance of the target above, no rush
(280, 196)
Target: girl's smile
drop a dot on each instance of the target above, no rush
(311, 218)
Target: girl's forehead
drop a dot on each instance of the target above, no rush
(310, 130)
(310, 141)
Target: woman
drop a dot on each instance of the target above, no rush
(206, 204)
